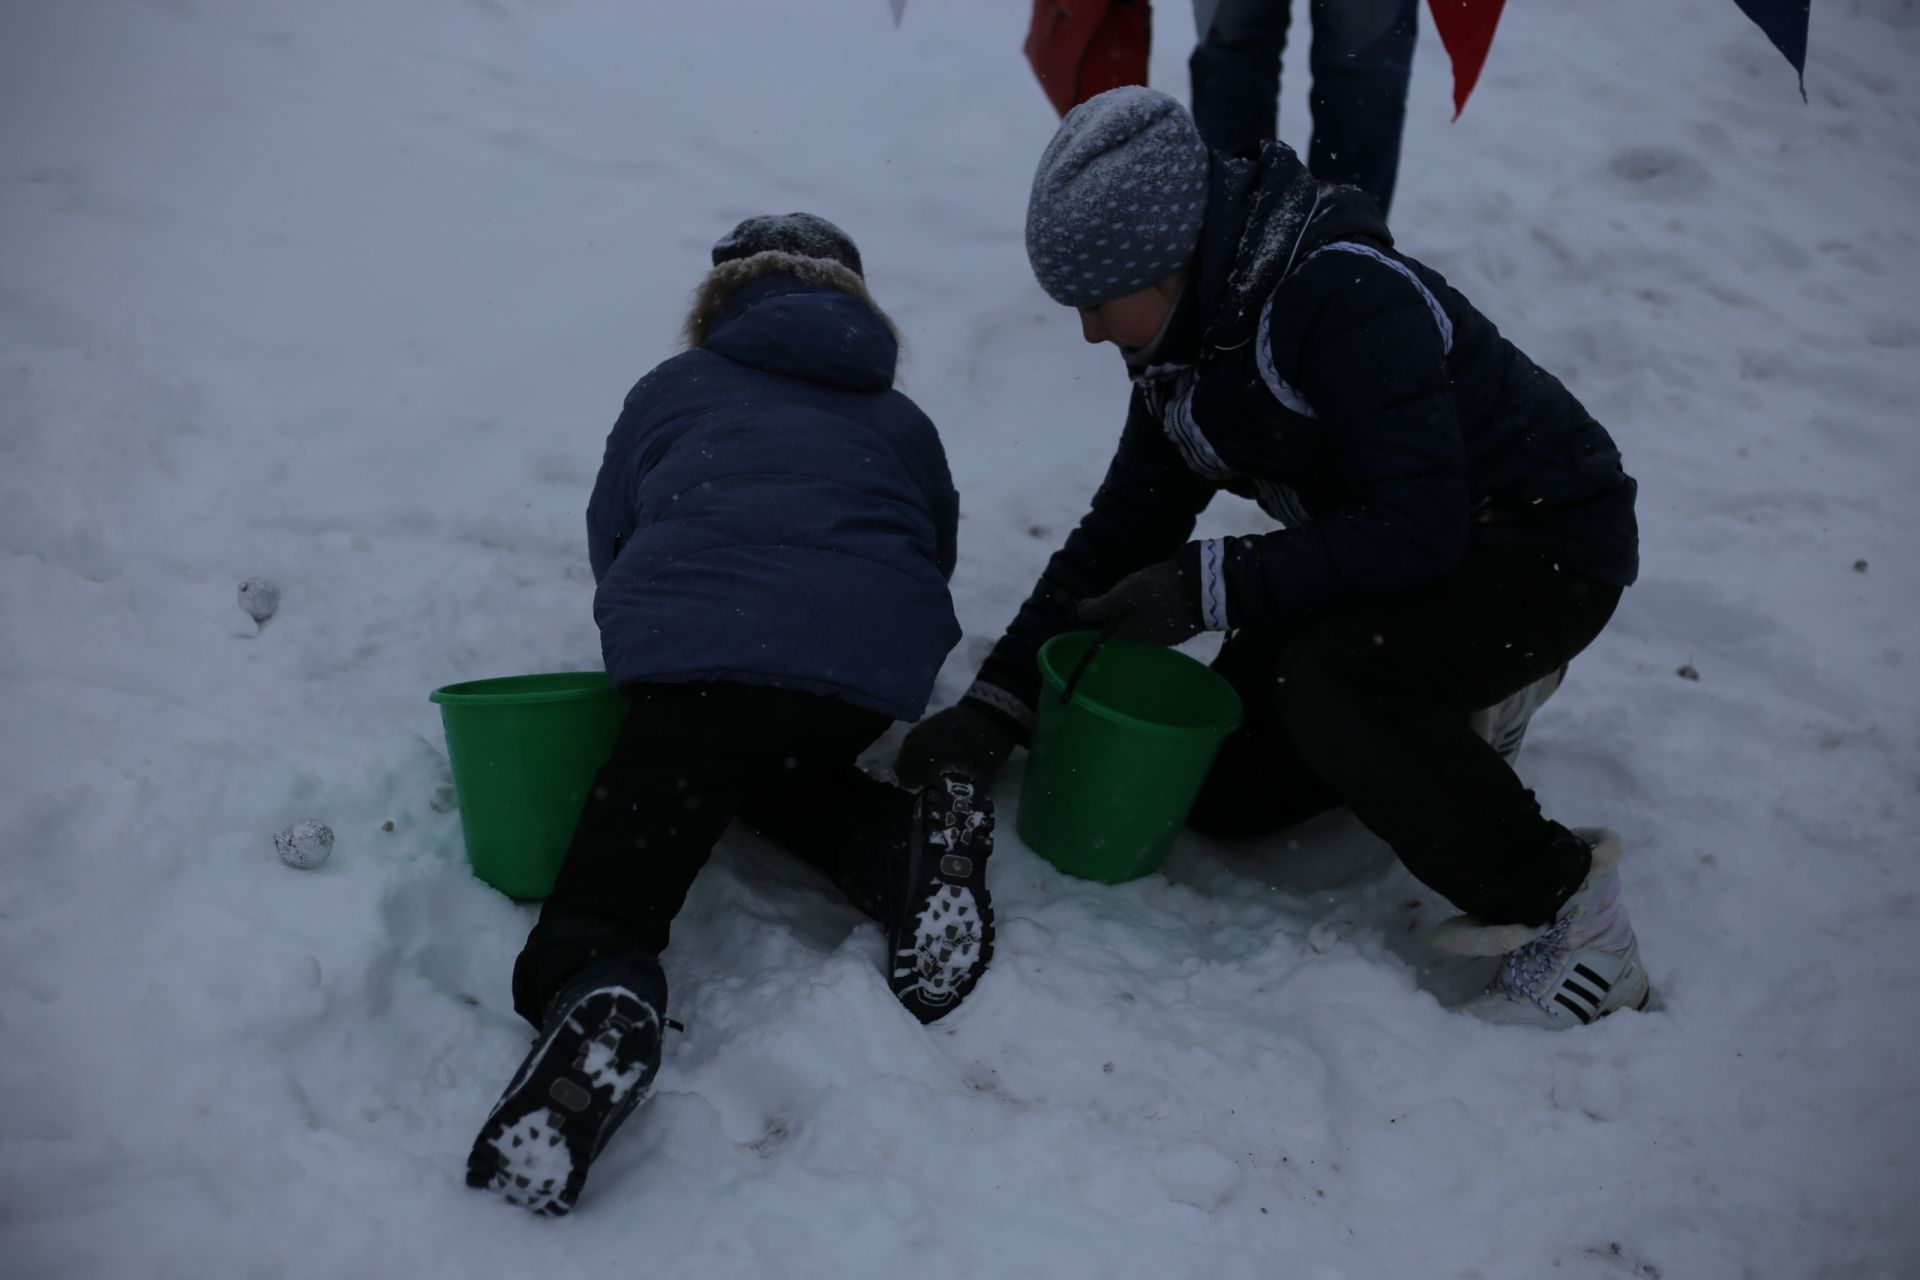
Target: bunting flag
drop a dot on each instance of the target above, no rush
(1785, 22)
(1082, 47)
(1078, 48)
(1466, 29)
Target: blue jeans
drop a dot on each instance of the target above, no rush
(1361, 57)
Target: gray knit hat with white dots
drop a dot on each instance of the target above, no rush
(1118, 199)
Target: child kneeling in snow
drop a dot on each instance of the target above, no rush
(1457, 528)
(772, 532)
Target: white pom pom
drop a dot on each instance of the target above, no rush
(305, 844)
(260, 597)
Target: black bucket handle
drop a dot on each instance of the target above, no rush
(1086, 659)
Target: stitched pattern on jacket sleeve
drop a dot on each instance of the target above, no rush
(1213, 584)
(1283, 391)
(1000, 700)
(1195, 449)
(1368, 251)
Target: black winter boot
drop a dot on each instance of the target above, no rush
(591, 1065)
(940, 924)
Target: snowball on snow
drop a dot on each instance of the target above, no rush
(305, 844)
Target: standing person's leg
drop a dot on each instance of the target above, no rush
(1235, 73)
(1362, 58)
(687, 758)
(1377, 700)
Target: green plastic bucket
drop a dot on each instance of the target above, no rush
(1113, 771)
(524, 751)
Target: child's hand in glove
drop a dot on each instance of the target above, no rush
(967, 736)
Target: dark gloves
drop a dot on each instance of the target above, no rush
(1152, 606)
(967, 736)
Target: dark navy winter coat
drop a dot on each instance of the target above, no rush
(1352, 394)
(771, 512)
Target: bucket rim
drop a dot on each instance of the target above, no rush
(589, 685)
(1057, 684)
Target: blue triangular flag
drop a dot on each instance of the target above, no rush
(1785, 22)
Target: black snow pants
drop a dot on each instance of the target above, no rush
(691, 758)
(1367, 706)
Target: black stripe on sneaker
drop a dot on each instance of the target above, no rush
(1581, 991)
(1578, 1012)
(1593, 977)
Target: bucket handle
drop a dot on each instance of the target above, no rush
(1086, 659)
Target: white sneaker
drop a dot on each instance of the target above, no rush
(1505, 723)
(1583, 966)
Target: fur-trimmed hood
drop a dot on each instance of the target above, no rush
(768, 512)
(803, 317)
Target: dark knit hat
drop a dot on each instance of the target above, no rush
(806, 234)
(1118, 198)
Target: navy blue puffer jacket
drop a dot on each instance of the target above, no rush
(1357, 398)
(771, 512)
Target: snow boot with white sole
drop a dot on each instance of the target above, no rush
(940, 938)
(590, 1066)
(1505, 723)
(1583, 966)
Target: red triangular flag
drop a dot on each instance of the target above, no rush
(1082, 47)
(1466, 29)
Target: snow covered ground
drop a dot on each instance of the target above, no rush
(348, 294)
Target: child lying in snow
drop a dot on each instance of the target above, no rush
(1457, 529)
(772, 532)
